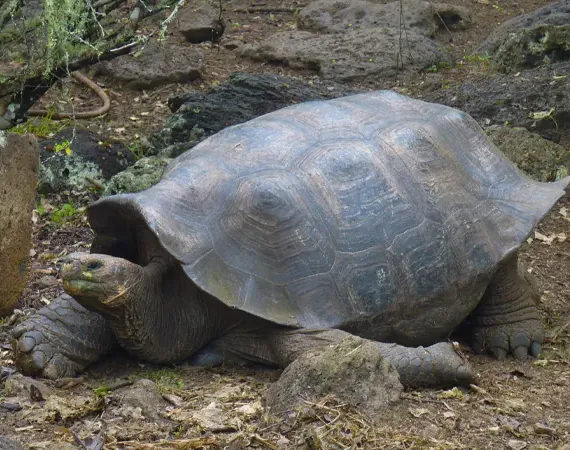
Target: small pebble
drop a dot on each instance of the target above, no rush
(540, 428)
(47, 281)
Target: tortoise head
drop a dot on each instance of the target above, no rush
(99, 280)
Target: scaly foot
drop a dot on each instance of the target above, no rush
(61, 340)
(520, 339)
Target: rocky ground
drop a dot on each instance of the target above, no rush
(128, 404)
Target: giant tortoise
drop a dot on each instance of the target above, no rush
(375, 215)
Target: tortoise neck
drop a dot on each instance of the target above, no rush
(168, 318)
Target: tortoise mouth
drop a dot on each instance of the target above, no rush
(81, 286)
(85, 278)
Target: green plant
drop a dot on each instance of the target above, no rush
(167, 380)
(137, 150)
(483, 60)
(63, 146)
(42, 126)
(441, 65)
(64, 213)
(102, 391)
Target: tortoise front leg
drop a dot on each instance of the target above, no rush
(61, 340)
(507, 319)
(438, 365)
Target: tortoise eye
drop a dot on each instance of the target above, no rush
(94, 265)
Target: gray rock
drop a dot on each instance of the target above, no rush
(18, 385)
(9, 444)
(142, 399)
(431, 431)
(352, 371)
(241, 98)
(352, 56)
(423, 17)
(145, 173)
(531, 47)
(200, 22)
(47, 281)
(212, 418)
(19, 166)
(541, 159)
(154, 65)
(92, 157)
(536, 100)
(556, 14)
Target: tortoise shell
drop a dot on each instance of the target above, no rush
(374, 213)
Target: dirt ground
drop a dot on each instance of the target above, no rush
(514, 405)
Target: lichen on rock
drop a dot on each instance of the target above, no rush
(542, 44)
(145, 173)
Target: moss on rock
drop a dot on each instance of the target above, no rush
(146, 172)
(542, 44)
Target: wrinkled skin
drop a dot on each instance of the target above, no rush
(157, 314)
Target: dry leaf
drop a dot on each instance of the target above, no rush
(542, 237)
(541, 114)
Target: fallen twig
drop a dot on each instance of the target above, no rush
(560, 330)
(482, 391)
(95, 184)
(262, 441)
(267, 9)
(80, 114)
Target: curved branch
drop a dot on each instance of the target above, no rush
(80, 114)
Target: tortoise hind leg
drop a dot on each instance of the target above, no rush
(438, 365)
(507, 319)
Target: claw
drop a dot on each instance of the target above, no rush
(39, 359)
(499, 353)
(520, 353)
(535, 349)
(464, 376)
(19, 330)
(29, 341)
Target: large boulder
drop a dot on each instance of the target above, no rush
(363, 40)
(352, 371)
(422, 17)
(146, 172)
(542, 44)
(241, 98)
(19, 163)
(539, 37)
(200, 21)
(154, 65)
(536, 100)
(75, 158)
(358, 55)
(555, 14)
(9, 444)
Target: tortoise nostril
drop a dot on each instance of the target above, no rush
(94, 265)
